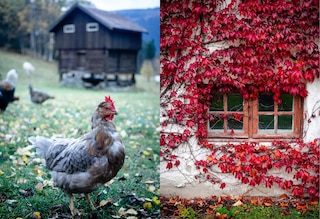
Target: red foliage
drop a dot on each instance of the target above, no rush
(174, 207)
(271, 48)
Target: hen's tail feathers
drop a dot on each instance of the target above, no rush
(41, 143)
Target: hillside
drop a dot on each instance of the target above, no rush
(46, 75)
(147, 18)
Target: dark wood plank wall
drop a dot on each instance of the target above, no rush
(81, 39)
(125, 40)
(121, 61)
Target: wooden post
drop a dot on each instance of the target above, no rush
(133, 80)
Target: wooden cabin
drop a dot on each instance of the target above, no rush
(97, 42)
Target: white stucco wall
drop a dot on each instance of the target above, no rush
(312, 106)
(186, 180)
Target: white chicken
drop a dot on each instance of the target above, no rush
(28, 68)
(82, 165)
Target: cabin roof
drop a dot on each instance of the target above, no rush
(110, 20)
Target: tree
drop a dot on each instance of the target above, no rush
(146, 56)
(149, 49)
(35, 19)
(268, 46)
(8, 26)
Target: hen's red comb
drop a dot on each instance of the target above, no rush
(109, 100)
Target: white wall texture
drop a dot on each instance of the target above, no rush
(311, 103)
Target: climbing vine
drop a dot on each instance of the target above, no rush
(262, 46)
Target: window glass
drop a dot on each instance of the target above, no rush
(266, 103)
(69, 28)
(91, 27)
(287, 103)
(235, 102)
(285, 122)
(226, 112)
(216, 122)
(266, 121)
(235, 124)
(217, 103)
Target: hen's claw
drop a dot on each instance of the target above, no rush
(73, 210)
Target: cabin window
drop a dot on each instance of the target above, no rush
(231, 116)
(92, 27)
(69, 28)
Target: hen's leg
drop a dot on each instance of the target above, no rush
(89, 201)
(71, 204)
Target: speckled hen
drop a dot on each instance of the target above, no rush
(82, 165)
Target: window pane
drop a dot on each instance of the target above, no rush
(285, 122)
(266, 121)
(216, 122)
(287, 103)
(266, 102)
(217, 103)
(91, 27)
(235, 102)
(235, 124)
(69, 28)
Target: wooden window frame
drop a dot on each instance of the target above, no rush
(69, 28)
(250, 122)
(92, 27)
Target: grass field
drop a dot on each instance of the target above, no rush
(26, 190)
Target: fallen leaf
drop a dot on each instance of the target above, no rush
(209, 211)
(36, 215)
(283, 196)
(123, 134)
(10, 201)
(131, 211)
(149, 182)
(156, 200)
(121, 211)
(238, 203)
(151, 188)
(314, 203)
(39, 187)
(147, 206)
(266, 204)
(1, 172)
(301, 206)
(222, 216)
(283, 204)
(105, 202)
(26, 193)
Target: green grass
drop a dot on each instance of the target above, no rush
(133, 192)
(245, 211)
(274, 212)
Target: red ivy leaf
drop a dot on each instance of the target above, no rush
(222, 185)
(169, 165)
